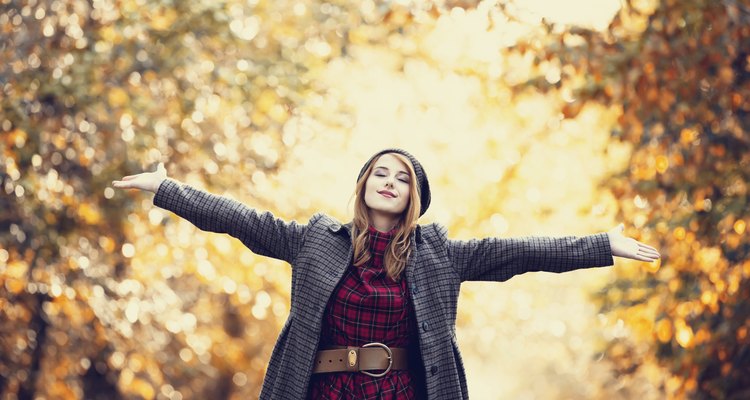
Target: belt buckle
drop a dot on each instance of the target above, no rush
(390, 359)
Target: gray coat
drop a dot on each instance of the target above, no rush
(321, 250)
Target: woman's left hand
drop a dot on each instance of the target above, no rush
(623, 246)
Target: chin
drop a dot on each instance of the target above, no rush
(387, 211)
(383, 208)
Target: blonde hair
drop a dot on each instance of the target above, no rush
(399, 249)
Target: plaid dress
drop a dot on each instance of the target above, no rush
(367, 306)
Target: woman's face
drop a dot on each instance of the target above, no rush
(387, 187)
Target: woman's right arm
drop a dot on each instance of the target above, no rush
(260, 231)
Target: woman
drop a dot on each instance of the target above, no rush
(373, 301)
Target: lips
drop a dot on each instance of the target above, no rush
(386, 193)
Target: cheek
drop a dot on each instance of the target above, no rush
(404, 189)
(371, 190)
(370, 186)
(404, 194)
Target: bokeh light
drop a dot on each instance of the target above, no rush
(531, 117)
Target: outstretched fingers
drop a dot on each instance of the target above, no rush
(648, 252)
(648, 247)
(652, 251)
(124, 183)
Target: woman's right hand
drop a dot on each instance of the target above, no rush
(144, 181)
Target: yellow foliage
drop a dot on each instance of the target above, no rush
(142, 388)
(163, 19)
(708, 258)
(709, 298)
(89, 213)
(664, 330)
(653, 266)
(107, 244)
(702, 336)
(688, 135)
(117, 97)
(15, 286)
(15, 138)
(266, 100)
(60, 141)
(110, 35)
(739, 226)
(17, 269)
(684, 333)
(662, 163)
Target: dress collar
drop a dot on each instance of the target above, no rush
(386, 235)
(347, 227)
(378, 243)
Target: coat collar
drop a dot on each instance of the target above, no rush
(347, 227)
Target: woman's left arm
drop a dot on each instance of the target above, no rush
(499, 259)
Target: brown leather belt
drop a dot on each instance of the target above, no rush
(372, 356)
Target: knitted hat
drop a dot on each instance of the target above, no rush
(423, 186)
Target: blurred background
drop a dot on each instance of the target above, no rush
(531, 117)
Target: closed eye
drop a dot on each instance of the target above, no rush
(403, 176)
(405, 180)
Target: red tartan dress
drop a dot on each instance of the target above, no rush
(367, 306)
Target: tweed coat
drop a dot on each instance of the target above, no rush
(320, 252)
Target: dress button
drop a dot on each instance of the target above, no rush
(335, 227)
(425, 326)
(415, 290)
(434, 370)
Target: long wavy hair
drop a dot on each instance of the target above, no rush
(399, 248)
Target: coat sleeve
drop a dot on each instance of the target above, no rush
(260, 231)
(499, 259)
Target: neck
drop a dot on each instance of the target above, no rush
(383, 222)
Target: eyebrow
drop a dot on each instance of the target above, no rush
(386, 168)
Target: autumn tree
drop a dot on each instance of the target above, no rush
(92, 91)
(678, 72)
